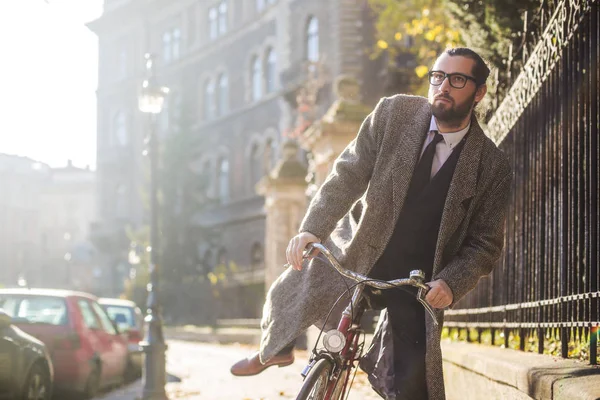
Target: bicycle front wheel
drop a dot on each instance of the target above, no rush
(316, 382)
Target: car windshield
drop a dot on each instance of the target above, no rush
(35, 309)
(122, 315)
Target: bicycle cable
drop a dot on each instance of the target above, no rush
(348, 293)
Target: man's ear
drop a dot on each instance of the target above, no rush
(480, 93)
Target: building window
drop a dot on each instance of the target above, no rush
(223, 94)
(191, 26)
(217, 20)
(213, 28)
(122, 196)
(312, 40)
(209, 99)
(223, 17)
(256, 165)
(207, 261)
(256, 79)
(222, 257)
(176, 44)
(269, 156)
(166, 40)
(223, 179)
(271, 72)
(171, 45)
(257, 256)
(260, 5)
(120, 136)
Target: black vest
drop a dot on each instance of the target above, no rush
(413, 242)
(412, 246)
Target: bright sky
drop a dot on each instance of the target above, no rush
(49, 77)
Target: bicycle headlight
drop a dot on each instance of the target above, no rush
(334, 341)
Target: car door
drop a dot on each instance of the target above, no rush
(95, 336)
(9, 363)
(117, 349)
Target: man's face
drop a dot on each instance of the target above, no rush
(452, 105)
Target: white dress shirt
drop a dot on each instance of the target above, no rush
(445, 147)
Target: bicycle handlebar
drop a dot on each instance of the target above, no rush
(416, 279)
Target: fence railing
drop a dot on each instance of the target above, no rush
(544, 294)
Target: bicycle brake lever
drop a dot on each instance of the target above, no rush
(421, 297)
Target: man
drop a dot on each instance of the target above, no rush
(420, 187)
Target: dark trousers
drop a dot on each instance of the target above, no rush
(407, 320)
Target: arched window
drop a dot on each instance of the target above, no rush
(312, 40)
(222, 257)
(121, 194)
(256, 167)
(269, 156)
(213, 29)
(256, 79)
(207, 261)
(209, 99)
(223, 94)
(120, 136)
(206, 178)
(223, 179)
(271, 72)
(257, 256)
(223, 17)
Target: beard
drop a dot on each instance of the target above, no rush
(452, 114)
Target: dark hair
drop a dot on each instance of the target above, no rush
(480, 70)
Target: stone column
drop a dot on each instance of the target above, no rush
(284, 190)
(328, 137)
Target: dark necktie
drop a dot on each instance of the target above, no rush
(422, 174)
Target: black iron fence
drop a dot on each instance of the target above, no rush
(544, 295)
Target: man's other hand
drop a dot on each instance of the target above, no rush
(295, 248)
(439, 295)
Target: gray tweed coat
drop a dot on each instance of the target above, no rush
(355, 212)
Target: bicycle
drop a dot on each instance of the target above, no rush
(327, 375)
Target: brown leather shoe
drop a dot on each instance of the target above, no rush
(252, 365)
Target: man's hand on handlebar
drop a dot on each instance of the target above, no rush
(439, 295)
(295, 249)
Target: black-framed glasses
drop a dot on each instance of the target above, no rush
(457, 80)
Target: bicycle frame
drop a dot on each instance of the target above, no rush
(349, 325)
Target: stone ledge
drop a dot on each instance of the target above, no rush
(516, 374)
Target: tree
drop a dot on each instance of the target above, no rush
(186, 290)
(493, 28)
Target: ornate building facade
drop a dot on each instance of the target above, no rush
(244, 75)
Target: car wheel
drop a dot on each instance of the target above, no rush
(38, 385)
(93, 383)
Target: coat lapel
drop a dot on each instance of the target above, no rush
(409, 148)
(462, 188)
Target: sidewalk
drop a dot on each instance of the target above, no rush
(132, 391)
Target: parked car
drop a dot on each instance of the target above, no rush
(87, 351)
(128, 317)
(25, 368)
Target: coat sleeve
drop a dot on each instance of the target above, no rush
(348, 179)
(483, 244)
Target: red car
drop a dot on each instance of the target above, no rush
(87, 351)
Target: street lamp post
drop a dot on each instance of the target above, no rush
(154, 373)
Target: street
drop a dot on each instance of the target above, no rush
(204, 372)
